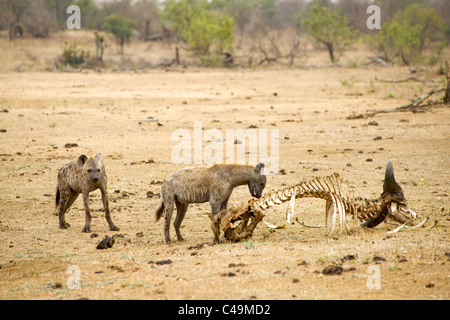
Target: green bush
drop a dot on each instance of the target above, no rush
(73, 55)
(408, 33)
(206, 32)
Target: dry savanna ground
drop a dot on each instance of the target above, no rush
(49, 119)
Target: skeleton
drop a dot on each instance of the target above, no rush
(236, 225)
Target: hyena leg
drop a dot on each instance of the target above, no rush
(181, 211)
(67, 197)
(215, 208)
(105, 201)
(168, 208)
(224, 204)
(87, 225)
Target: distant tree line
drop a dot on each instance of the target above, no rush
(212, 29)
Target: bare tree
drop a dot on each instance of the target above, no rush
(11, 15)
(38, 19)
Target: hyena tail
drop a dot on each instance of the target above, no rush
(159, 209)
(58, 197)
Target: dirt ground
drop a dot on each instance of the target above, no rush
(100, 112)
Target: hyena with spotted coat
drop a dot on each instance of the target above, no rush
(83, 175)
(198, 185)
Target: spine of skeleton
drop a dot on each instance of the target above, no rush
(325, 188)
(339, 200)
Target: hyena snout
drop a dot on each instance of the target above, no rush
(94, 174)
(257, 184)
(256, 188)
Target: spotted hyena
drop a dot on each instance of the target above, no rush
(197, 185)
(82, 176)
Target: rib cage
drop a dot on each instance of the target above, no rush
(332, 189)
(339, 202)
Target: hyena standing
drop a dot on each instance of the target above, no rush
(197, 185)
(82, 176)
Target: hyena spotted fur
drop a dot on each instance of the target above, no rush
(82, 176)
(198, 185)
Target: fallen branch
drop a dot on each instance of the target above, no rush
(403, 80)
(379, 61)
(417, 101)
(414, 106)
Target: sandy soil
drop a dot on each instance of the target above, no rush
(99, 112)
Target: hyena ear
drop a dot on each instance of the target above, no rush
(390, 185)
(82, 160)
(99, 158)
(260, 168)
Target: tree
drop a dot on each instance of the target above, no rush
(90, 13)
(399, 40)
(406, 34)
(178, 15)
(11, 14)
(328, 27)
(100, 46)
(120, 27)
(194, 23)
(38, 19)
(209, 29)
(421, 15)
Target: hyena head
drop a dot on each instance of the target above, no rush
(91, 167)
(257, 183)
(394, 197)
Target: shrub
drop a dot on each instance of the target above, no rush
(73, 55)
(409, 31)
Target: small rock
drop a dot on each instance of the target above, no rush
(377, 258)
(349, 257)
(56, 285)
(162, 262)
(116, 268)
(330, 270)
(228, 274)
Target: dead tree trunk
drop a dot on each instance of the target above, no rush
(447, 83)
